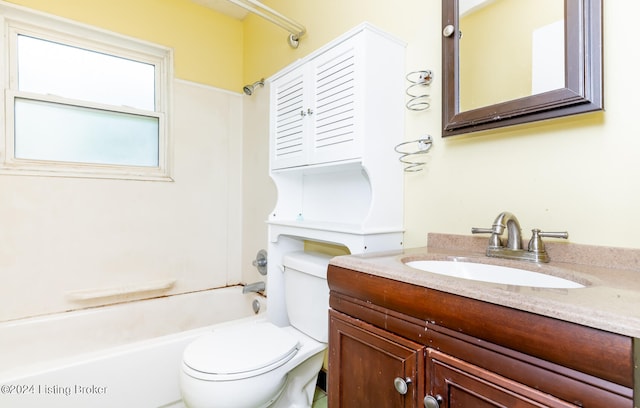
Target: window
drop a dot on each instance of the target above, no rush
(83, 102)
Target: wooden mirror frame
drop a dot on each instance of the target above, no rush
(583, 76)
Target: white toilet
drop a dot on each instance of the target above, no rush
(256, 364)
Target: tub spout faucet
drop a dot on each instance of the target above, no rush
(535, 251)
(254, 287)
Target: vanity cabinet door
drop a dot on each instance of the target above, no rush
(458, 384)
(364, 363)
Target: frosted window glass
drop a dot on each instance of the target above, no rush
(50, 68)
(50, 131)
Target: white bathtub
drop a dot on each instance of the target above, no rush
(125, 355)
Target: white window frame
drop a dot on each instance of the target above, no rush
(16, 21)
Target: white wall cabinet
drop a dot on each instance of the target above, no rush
(317, 110)
(336, 116)
(326, 105)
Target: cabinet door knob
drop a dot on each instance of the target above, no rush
(402, 385)
(303, 113)
(432, 402)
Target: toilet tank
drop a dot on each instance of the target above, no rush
(307, 293)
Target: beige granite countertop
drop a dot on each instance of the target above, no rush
(609, 301)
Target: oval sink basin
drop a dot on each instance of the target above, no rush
(494, 274)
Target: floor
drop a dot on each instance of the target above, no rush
(320, 399)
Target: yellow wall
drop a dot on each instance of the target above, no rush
(207, 45)
(579, 174)
(266, 48)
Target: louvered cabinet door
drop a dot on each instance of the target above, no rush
(344, 104)
(290, 123)
(336, 76)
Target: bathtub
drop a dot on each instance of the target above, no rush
(125, 355)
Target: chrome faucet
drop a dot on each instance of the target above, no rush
(535, 251)
(254, 287)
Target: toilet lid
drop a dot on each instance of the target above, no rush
(247, 347)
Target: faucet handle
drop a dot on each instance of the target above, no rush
(564, 234)
(536, 244)
(494, 241)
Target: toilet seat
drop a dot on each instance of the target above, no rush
(239, 352)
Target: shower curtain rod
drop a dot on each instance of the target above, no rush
(295, 29)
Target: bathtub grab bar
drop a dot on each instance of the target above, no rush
(91, 294)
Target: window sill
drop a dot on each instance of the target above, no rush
(80, 170)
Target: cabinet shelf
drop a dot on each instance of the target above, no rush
(351, 236)
(320, 168)
(345, 228)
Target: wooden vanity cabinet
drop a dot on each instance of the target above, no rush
(460, 384)
(467, 353)
(370, 360)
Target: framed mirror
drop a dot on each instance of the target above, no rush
(508, 62)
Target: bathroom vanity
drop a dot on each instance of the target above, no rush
(402, 337)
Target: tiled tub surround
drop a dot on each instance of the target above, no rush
(609, 301)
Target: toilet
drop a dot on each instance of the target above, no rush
(256, 364)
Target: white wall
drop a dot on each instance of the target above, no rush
(65, 234)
